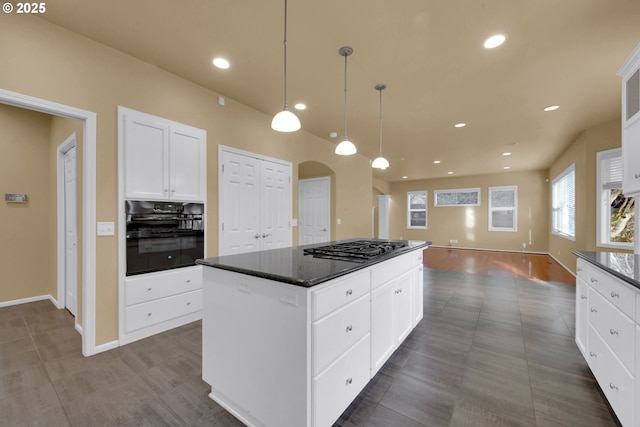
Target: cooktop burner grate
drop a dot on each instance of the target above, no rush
(359, 250)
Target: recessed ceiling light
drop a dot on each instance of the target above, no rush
(551, 108)
(459, 125)
(506, 154)
(507, 167)
(300, 106)
(333, 134)
(221, 63)
(405, 177)
(436, 161)
(494, 41)
(450, 173)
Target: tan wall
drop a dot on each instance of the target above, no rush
(583, 152)
(48, 62)
(28, 266)
(469, 225)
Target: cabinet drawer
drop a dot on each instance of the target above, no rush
(637, 319)
(389, 270)
(614, 327)
(614, 380)
(613, 290)
(582, 269)
(153, 312)
(337, 386)
(335, 333)
(336, 295)
(149, 287)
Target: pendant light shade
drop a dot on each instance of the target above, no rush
(285, 120)
(380, 162)
(346, 147)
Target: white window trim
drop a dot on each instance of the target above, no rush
(602, 205)
(514, 208)
(426, 214)
(456, 190)
(564, 173)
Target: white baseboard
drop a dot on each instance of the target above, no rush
(107, 346)
(490, 250)
(27, 300)
(78, 328)
(563, 266)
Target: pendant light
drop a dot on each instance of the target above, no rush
(285, 120)
(380, 162)
(346, 147)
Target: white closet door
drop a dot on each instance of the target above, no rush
(275, 205)
(240, 204)
(314, 210)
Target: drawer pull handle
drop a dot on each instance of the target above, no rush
(615, 294)
(349, 328)
(148, 314)
(636, 176)
(594, 280)
(349, 381)
(613, 332)
(594, 310)
(349, 292)
(592, 354)
(188, 280)
(612, 386)
(148, 289)
(579, 269)
(583, 296)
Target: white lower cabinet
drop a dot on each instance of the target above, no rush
(608, 335)
(157, 302)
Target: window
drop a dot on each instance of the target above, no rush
(615, 211)
(417, 209)
(457, 197)
(503, 208)
(563, 204)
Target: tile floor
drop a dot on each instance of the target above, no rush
(490, 351)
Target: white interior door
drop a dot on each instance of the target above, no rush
(314, 210)
(275, 205)
(240, 229)
(383, 216)
(70, 231)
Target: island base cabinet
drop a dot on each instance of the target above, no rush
(336, 387)
(582, 312)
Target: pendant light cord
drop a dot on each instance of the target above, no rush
(345, 95)
(285, 54)
(380, 122)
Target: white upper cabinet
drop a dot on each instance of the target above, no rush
(162, 160)
(630, 73)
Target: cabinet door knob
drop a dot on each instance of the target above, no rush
(349, 381)
(613, 332)
(148, 289)
(594, 310)
(188, 280)
(148, 314)
(349, 291)
(594, 280)
(579, 269)
(583, 296)
(166, 190)
(636, 176)
(612, 386)
(615, 295)
(188, 302)
(169, 257)
(349, 328)
(592, 354)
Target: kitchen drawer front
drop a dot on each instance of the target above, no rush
(613, 290)
(336, 295)
(614, 380)
(637, 319)
(149, 287)
(582, 269)
(389, 270)
(336, 387)
(334, 334)
(417, 257)
(614, 327)
(157, 311)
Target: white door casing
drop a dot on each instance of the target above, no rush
(71, 232)
(314, 210)
(255, 202)
(383, 216)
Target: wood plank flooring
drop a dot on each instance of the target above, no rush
(492, 349)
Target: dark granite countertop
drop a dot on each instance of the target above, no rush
(624, 266)
(291, 265)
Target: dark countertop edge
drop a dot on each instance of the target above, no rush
(585, 256)
(311, 283)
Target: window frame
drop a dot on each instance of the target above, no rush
(456, 190)
(409, 210)
(492, 209)
(554, 182)
(603, 204)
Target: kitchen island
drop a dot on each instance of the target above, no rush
(290, 339)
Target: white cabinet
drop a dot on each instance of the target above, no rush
(630, 73)
(162, 160)
(156, 302)
(608, 335)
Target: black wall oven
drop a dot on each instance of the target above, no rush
(163, 235)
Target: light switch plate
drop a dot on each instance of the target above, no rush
(106, 229)
(294, 222)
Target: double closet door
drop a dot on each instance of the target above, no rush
(255, 202)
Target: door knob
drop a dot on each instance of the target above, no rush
(324, 229)
(257, 236)
(265, 235)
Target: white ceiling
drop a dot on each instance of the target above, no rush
(428, 52)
